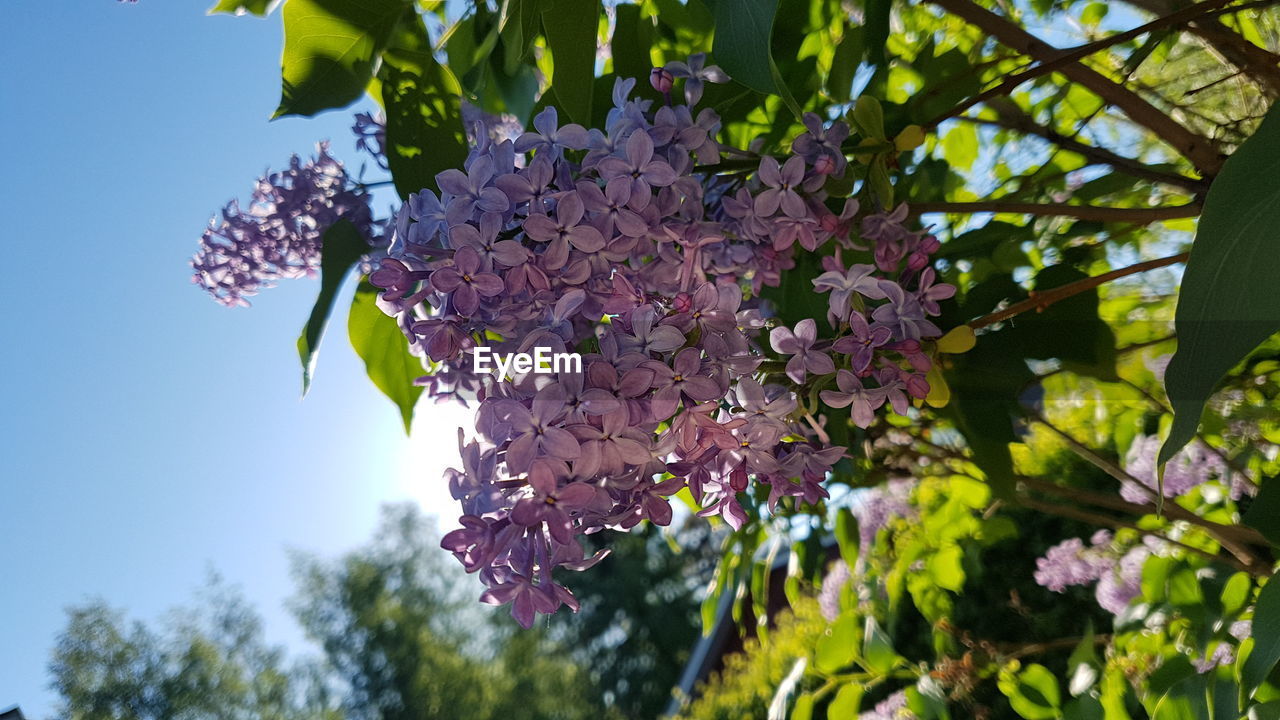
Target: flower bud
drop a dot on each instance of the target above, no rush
(917, 261)
(661, 80)
(682, 303)
(824, 165)
(917, 386)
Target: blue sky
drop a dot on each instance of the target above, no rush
(147, 433)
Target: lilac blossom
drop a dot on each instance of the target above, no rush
(279, 234)
(653, 272)
(695, 72)
(799, 345)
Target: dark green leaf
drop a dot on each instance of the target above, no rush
(330, 49)
(1264, 514)
(744, 33)
(1266, 638)
(877, 30)
(424, 116)
(632, 38)
(1265, 711)
(1227, 304)
(520, 25)
(342, 247)
(570, 27)
(378, 341)
(844, 64)
(1186, 700)
(982, 241)
(240, 7)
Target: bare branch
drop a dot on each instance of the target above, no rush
(1141, 216)
(1201, 151)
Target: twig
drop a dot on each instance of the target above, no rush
(1014, 119)
(1074, 55)
(1201, 151)
(1141, 216)
(1042, 300)
(1073, 513)
(1232, 537)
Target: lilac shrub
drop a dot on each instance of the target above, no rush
(278, 235)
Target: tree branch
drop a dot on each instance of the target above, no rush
(1009, 84)
(1259, 63)
(1041, 300)
(1142, 216)
(1014, 119)
(1073, 513)
(1201, 151)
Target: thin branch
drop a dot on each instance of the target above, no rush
(1229, 45)
(1074, 55)
(1142, 216)
(1234, 538)
(1020, 122)
(1073, 513)
(1041, 300)
(1201, 151)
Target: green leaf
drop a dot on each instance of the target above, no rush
(570, 27)
(520, 24)
(945, 570)
(877, 650)
(330, 49)
(744, 33)
(844, 64)
(803, 709)
(424, 114)
(342, 245)
(1227, 304)
(846, 703)
(1086, 707)
(240, 7)
(960, 145)
(1235, 594)
(632, 38)
(839, 648)
(1266, 639)
(1265, 711)
(876, 27)
(1186, 700)
(1264, 514)
(982, 241)
(847, 536)
(1033, 693)
(378, 341)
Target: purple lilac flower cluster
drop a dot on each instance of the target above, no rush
(1072, 563)
(621, 245)
(279, 234)
(1194, 466)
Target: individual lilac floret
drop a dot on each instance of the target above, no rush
(695, 72)
(799, 345)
